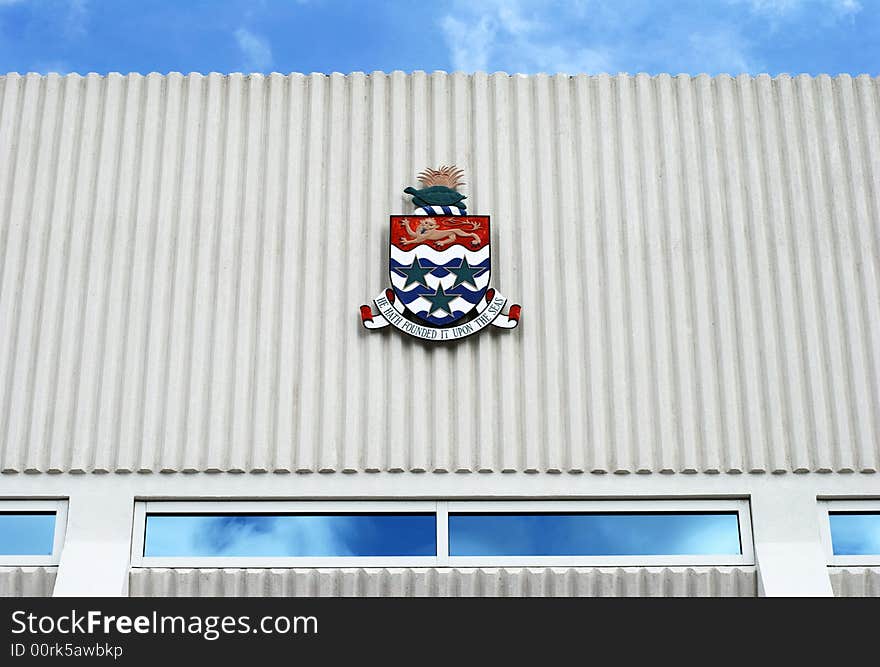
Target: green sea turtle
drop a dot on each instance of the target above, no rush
(439, 188)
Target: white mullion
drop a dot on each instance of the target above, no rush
(310, 562)
(870, 560)
(60, 530)
(235, 506)
(609, 506)
(442, 518)
(746, 536)
(825, 529)
(138, 533)
(96, 557)
(720, 560)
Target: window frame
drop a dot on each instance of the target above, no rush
(142, 509)
(442, 509)
(827, 507)
(24, 506)
(739, 507)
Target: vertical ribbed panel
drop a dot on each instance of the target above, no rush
(855, 582)
(446, 582)
(36, 582)
(182, 258)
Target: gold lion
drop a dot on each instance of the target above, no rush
(428, 230)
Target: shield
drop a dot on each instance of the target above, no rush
(440, 265)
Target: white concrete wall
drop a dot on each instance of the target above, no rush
(182, 260)
(785, 517)
(27, 581)
(448, 582)
(856, 581)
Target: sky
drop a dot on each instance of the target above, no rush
(514, 36)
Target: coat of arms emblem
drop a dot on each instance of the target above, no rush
(440, 265)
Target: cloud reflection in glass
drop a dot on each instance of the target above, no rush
(315, 535)
(616, 534)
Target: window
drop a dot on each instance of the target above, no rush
(268, 533)
(441, 533)
(601, 532)
(31, 531)
(851, 531)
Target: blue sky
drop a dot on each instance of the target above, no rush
(528, 36)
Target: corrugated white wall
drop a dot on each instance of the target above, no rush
(857, 582)
(182, 260)
(18, 582)
(447, 582)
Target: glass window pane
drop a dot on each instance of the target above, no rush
(291, 535)
(593, 534)
(855, 533)
(27, 533)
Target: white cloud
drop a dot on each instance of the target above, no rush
(722, 51)
(556, 59)
(296, 538)
(77, 16)
(242, 536)
(512, 20)
(781, 8)
(469, 44)
(510, 35)
(51, 66)
(777, 7)
(846, 7)
(256, 50)
(593, 36)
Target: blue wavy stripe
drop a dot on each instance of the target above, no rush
(441, 270)
(420, 290)
(454, 262)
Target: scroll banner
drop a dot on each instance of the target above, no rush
(488, 312)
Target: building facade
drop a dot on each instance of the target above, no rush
(182, 259)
